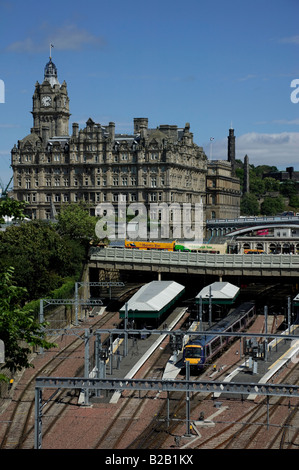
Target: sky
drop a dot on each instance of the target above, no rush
(215, 64)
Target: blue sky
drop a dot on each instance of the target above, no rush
(213, 64)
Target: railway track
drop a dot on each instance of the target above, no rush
(248, 431)
(123, 424)
(131, 425)
(19, 431)
(17, 421)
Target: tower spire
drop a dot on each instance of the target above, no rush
(51, 45)
(231, 152)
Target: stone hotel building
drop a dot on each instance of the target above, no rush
(95, 164)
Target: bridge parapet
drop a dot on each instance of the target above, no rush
(196, 263)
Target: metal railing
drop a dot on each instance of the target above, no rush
(264, 261)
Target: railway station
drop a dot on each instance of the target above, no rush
(261, 360)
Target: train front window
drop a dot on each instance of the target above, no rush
(193, 352)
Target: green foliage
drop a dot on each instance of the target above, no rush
(288, 188)
(260, 187)
(11, 208)
(40, 256)
(249, 204)
(271, 184)
(257, 186)
(272, 206)
(294, 201)
(75, 222)
(19, 330)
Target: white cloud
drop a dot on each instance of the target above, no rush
(66, 37)
(281, 149)
(290, 40)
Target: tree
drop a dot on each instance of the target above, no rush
(288, 188)
(40, 256)
(272, 206)
(257, 186)
(271, 184)
(75, 222)
(11, 208)
(18, 329)
(249, 204)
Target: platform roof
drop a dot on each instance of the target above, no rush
(222, 292)
(296, 300)
(154, 296)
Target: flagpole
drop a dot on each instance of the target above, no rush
(211, 147)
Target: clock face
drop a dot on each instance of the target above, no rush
(46, 100)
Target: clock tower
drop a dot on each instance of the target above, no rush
(50, 106)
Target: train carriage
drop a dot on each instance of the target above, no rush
(203, 348)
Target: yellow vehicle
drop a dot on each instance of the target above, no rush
(139, 245)
(253, 252)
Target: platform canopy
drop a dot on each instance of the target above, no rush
(153, 299)
(296, 300)
(222, 293)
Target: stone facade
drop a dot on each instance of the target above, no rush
(98, 165)
(222, 192)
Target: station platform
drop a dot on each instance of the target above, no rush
(139, 350)
(280, 352)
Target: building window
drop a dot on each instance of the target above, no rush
(48, 198)
(28, 183)
(125, 181)
(65, 198)
(133, 181)
(98, 197)
(75, 182)
(66, 182)
(86, 181)
(154, 182)
(57, 197)
(124, 156)
(57, 182)
(115, 181)
(98, 181)
(34, 197)
(152, 197)
(56, 157)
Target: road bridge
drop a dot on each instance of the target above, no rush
(195, 263)
(221, 227)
